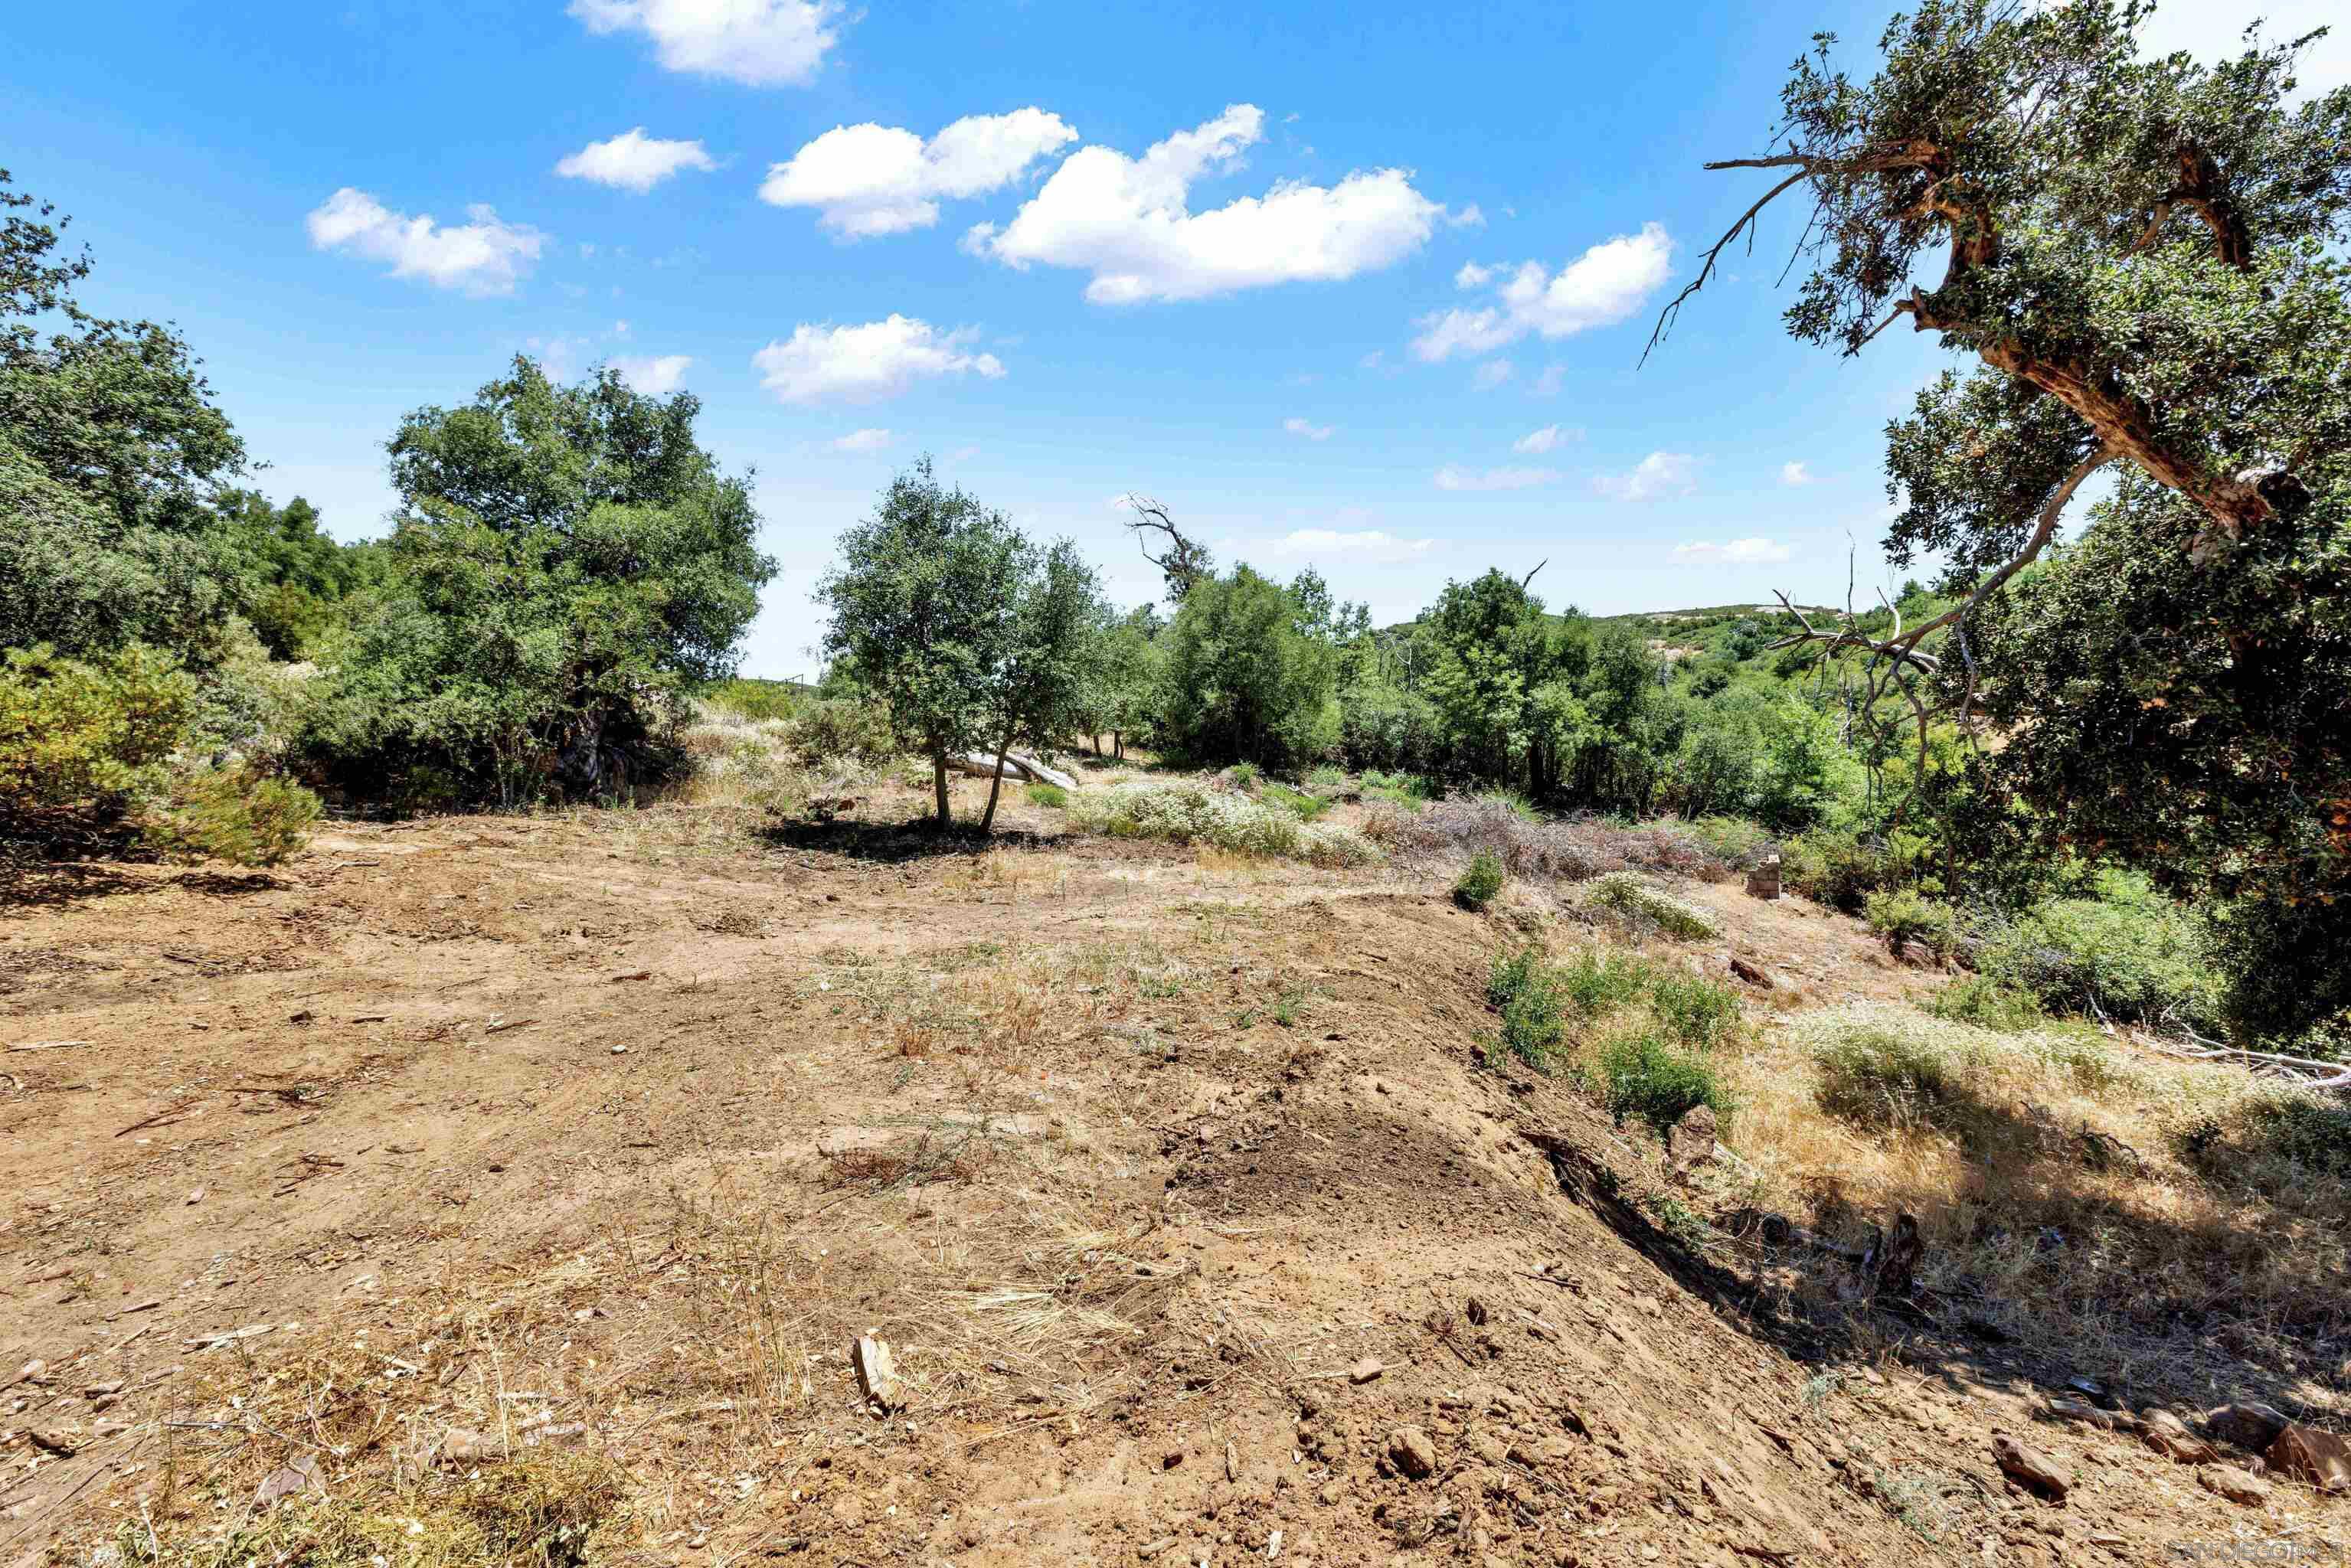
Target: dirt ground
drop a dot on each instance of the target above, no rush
(474, 1142)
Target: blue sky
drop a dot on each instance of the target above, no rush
(1359, 287)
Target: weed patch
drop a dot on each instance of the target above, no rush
(1480, 883)
(1628, 896)
(1643, 1076)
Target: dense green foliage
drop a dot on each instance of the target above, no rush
(568, 561)
(1249, 673)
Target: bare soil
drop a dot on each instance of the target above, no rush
(494, 1137)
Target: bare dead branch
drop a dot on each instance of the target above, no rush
(1665, 317)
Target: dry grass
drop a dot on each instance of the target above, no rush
(1558, 849)
(2134, 1210)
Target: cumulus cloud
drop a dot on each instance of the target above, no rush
(1370, 545)
(1535, 442)
(1604, 284)
(1732, 552)
(654, 375)
(1452, 479)
(1493, 373)
(1657, 477)
(1795, 473)
(633, 161)
(487, 255)
(1309, 429)
(760, 43)
(866, 179)
(1473, 276)
(863, 441)
(868, 362)
(1549, 383)
(1128, 221)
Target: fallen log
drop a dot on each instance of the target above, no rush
(980, 765)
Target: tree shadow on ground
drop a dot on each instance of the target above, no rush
(27, 885)
(895, 844)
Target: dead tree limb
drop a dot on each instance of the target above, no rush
(1183, 562)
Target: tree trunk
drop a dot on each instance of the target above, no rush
(1118, 745)
(939, 784)
(996, 785)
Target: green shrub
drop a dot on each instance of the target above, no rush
(1479, 883)
(1596, 982)
(1307, 807)
(1629, 895)
(1245, 774)
(1904, 916)
(88, 735)
(755, 700)
(1643, 1076)
(1052, 795)
(1526, 991)
(844, 729)
(1880, 1076)
(2312, 1134)
(1693, 1009)
(238, 815)
(1986, 1003)
(1519, 805)
(1327, 779)
(1407, 790)
(2129, 953)
(1838, 870)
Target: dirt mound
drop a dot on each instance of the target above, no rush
(472, 1154)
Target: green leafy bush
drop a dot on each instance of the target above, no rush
(755, 700)
(1597, 981)
(1526, 991)
(1307, 807)
(1327, 779)
(1986, 1003)
(1245, 774)
(843, 729)
(1839, 869)
(1904, 916)
(88, 735)
(238, 815)
(1643, 1076)
(1049, 795)
(1407, 790)
(1693, 1009)
(2129, 953)
(1479, 883)
(1627, 895)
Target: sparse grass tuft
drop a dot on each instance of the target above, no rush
(1906, 916)
(1527, 991)
(1191, 813)
(1986, 1003)
(1049, 795)
(1479, 883)
(1307, 807)
(1883, 1077)
(1694, 1009)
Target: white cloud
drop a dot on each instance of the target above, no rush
(1370, 545)
(1452, 479)
(1795, 473)
(1373, 360)
(1601, 286)
(1308, 429)
(867, 180)
(1493, 373)
(1548, 384)
(760, 43)
(863, 441)
(1128, 222)
(1469, 217)
(1735, 552)
(633, 161)
(654, 375)
(487, 256)
(1473, 276)
(963, 454)
(864, 364)
(1657, 477)
(1535, 442)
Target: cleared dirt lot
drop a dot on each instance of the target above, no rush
(495, 1146)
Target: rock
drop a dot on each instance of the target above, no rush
(1753, 974)
(28, 1373)
(2250, 1425)
(1690, 1144)
(464, 1445)
(2167, 1433)
(633, 975)
(2075, 1410)
(2029, 1468)
(1412, 1453)
(877, 1373)
(2234, 1484)
(2306, 1453)
(1232, 1463)
(1171, 1458)
(62, 1441)
(1365, 1370)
